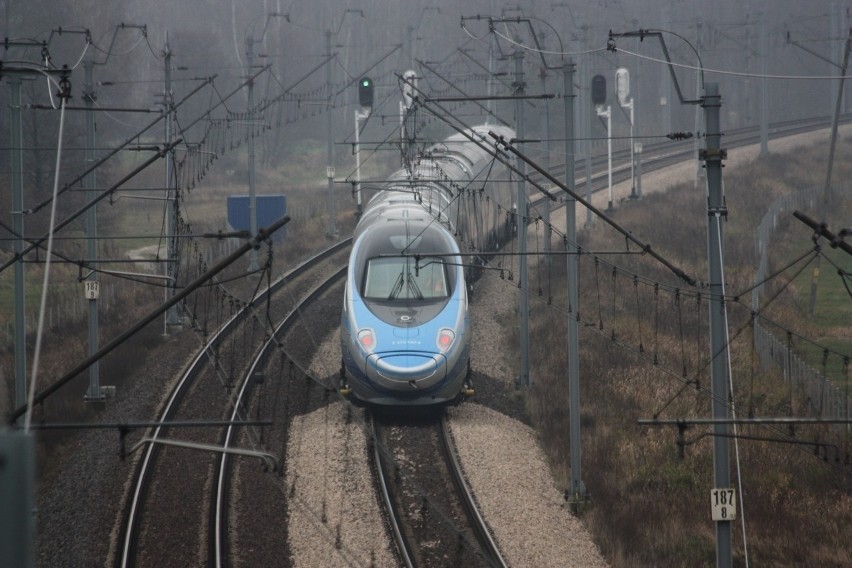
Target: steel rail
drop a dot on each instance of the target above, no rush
(142, 476)
(391, 505)
(477, 522)
(221, 476)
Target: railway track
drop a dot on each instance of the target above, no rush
(219, 526)
(663, 154)
(431, 511)
(171, 487)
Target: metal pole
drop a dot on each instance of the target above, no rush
(171, 317)
(410, 38)
(490, 104)
(633, 194)
(834, 120)
(764, 98)
(94, 391)
(826, 190)
(358, 116)
(699, 171)
(546, 163)
(718, 346)
(329, 170)
(17, 167)
(252, 198)
(666, 103)
(17, 489)
(523, 306)
(587, 123)
(639, 173)
(577, 491)
(609, 155)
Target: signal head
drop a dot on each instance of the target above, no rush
(365, 92)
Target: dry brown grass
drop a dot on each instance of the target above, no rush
(648, 507)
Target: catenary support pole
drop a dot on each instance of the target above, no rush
(826, 188)
(331, 232)
(359, 116)
(716, 213)
(251, 174)
(764, 95)
(17, 167)
(585, 87)
(93, 393)
(524, 379)
(545, 119)
(171, 317)
(577, 491)
(17, 493)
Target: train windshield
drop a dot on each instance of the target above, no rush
(398, 279)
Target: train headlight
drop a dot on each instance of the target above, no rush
(445, 339)
(367, 339)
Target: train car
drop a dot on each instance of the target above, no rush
(405, 331)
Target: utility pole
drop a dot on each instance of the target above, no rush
(764, 96)
(607, 114)
(723, 496)
(577, 491)
(251, 174)
(585, 85)
(666, 102)
(17, 520)
(716, 211)
(545, 118)
(17, 167)
(360, 115)
(622, 89)
(699, 170)
(250, 41)
(92, 288)
(171, 317)
(524, 379)
(17, 449)
(826, 190)
(331, 232)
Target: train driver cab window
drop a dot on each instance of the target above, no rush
(397, 279)
(433, 279)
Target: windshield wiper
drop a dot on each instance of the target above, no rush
(397, 287)
(412, 285)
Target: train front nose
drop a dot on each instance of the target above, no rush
(408, 369)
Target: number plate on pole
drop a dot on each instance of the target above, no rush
(92, 289)
(723, 504)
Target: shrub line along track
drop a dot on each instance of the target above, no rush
(432, 513)
(144, 475)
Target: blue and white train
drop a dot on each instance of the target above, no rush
(405, 332)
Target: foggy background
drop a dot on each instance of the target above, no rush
(209, 38)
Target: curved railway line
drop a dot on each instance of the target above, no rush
(219, 511)
(172, 477)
